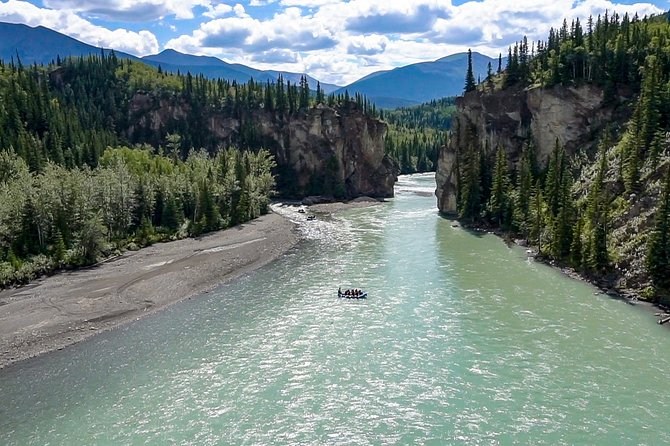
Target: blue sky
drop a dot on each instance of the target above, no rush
(337, 41)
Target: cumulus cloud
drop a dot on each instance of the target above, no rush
(276, 56)
(131, 10)
(337, 41)
(367, 45)
(69, 23)
(218, 10)
(395, 18)
(288, 30)
(309, 3)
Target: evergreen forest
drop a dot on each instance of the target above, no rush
(84, 176)
(571, 208)
(416, 134)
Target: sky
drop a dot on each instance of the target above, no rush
(336, 41)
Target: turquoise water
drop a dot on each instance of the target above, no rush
(462, 341)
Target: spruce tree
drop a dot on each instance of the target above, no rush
(470, 184)
(561, 227)
(498, 200)
(470, 76)
(597, 211)
(658, 251)
(553, 184)
(537, 215)
(576, 248)
(524, 189)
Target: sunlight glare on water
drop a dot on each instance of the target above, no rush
(461, 341)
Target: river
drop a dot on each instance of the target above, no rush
(462, 340)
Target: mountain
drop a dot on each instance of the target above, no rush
(213, 68)
(42, 45)
(421, 82)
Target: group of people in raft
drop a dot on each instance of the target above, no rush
(353, 293)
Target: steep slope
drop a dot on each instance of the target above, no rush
(418, 83)
(42, 45)
(321, 150)
(569, 150)
(510, 117)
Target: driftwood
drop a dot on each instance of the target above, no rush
(664, 320)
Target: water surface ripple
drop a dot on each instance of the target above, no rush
(462, 341)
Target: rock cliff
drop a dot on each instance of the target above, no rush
(577, 118)
(509, 117)
(319, 151)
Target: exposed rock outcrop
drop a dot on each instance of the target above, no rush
(577, 118)
(509, 117)
(322, 150)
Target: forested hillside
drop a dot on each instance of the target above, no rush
(597, 201)
(85, 172)
(417, 133)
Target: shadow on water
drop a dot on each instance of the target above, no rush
(456, 223)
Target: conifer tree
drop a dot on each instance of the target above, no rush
(319, 93)
(557, 167)
(470, 76)
(537, 215)
(658, 251)
(470, 184)
(561, 228)
(597, 211)
(576, 248)
(304, 93)
(524, 189)
(498, 201)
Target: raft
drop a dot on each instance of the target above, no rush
(363, 295)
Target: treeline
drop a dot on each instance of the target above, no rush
(538, 205)
(436, 114)
(414, 149)
(70, 112)
(61, 217)
(545, 206)
(67, 198)
(609, 51)
(417, 133)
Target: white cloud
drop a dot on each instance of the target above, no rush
(309, 3)
(67, 22)
(335, 40)
(288, 30)
(367, 45)
(219, 10)
(340, 41)
(130, 10)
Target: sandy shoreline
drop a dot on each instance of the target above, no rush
(69, 307)
(64, 309)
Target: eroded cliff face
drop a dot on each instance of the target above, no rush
(331, 149)
(511, 116)
(321, 150)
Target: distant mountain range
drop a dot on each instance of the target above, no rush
(404, 86)
(42, 45)
(212, 67)
(421, 82)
